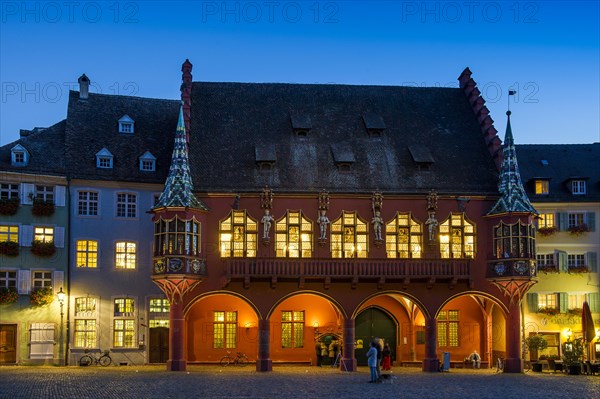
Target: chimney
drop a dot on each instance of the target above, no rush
(84, 86)
(186, 95)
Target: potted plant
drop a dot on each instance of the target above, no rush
(9, 248)
(9, 206)
(41, 296)
(8, 295)
(579, 229)
(536, 343)
(573, 355)
(547, 231)
(549, 311)
(42, 248)
(42, 207)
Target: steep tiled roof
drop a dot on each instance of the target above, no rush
(563, 163)
(46, 150)
(92, 124)
(230, 120)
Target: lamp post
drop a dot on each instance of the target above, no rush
(61, 300)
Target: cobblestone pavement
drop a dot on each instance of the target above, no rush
(287, 382)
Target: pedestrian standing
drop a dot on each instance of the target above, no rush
(372, 361)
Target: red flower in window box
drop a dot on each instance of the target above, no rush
(41, 296)
(547, 268)
(578, 269)
(42, 207)
(41, 248)
(9, 206)
(549, 311)
(547, 231)
(9, 248)
(8, 295)
(579, 229)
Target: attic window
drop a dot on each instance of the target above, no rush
(343, 156)
(374, 124)
(19, 156)
(147, 162)
(104, 159)
(421, 156)
(265, 156)
(541, 186)
(301, 124)
(544, 162)
(126, 124)
(578, 187)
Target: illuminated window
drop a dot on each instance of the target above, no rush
(404, 237)
(547, 301)
(349, 236)
(159, 305)
(8, 191)
(225, 330)
(125, 255)
(448, 333)
(237, 235)
(126, 205)
(87, 203)
(84, 305)
(457, 237)
(154, 323)
(8, 279)
(177, 237)
(41, 279)
(44, 193)
(124, 333)
(85, 333)
(576, 219)
(542, 187)
(43, 234)
(576, 301)
(9, 233)
(124, 306)
(514, 240)
(578, 187)
(546, 220)
(292, 329)
(293, 236)
(87, 253)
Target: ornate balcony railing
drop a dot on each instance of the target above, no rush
(354, 270)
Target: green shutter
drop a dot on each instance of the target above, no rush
(594, 302)
(590, 220)
(563, 221)
(561, 257)
(591, 261)
(563, 302)
(532, 302)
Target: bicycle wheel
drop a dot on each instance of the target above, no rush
(225, 360)
(105, 360)
(85, 360)
(242, 361)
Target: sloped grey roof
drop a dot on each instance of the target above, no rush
(229, 120)
(565, 162)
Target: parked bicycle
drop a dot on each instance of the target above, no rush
(240, 359)
(103, 358)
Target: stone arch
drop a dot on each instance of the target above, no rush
(192, 302)
(330, 299)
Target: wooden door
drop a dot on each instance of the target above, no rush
(371, 323)
(159, 345)
(8, 343)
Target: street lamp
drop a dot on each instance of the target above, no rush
(61, 300)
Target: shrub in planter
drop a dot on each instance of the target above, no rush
(547, 231)
(9, 248)
(9, 206)
(42, 207)
(579, 229)
(536, 343)
(8, 295)
(41, 248)
(573, 355)
(41, 296)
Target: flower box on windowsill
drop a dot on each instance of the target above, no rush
(549, 311)
(8, 295)
(41, 296)
(9, 248)
(547, 269)
(41, 248)
(575, 311)
(579, 229)
(547, 231)
(578, 269)
(42, 207)
(9, 206)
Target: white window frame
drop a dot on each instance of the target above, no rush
(9, 190)
(125, 202)
(87, 252)
(576, 219)
(41, 340)
(126, 125)
(104, 159)
(578, 187)
(45, 279)
(19, 156)
(11, 233)
(126, 254)
(6, 278)
(576, 260)
(44, 233)
(147, 162)
(44, 193)
(87, 202)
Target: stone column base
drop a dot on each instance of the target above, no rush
(264, 365)
(350, 364)
(431, 365)
(514, 365)
(176, 365)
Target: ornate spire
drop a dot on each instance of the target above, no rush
(179, 188)
(513, 197)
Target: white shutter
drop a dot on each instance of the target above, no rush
(58, 279)
(26, 190)
(60, 194)
(41, 341)
(26, 235)
(24, 282)
(59, 237)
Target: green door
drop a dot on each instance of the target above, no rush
(371, 323)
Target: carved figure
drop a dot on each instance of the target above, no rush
(323, 222)
(267, 220)
(377, 222)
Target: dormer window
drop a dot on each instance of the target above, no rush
(343, 156)
(265, 156)
(126, 125)
(19, 156)
(147, 162)
(421, 156)
(104, 159)
(301, 124)
(541, 187)
(578, 187)
(374, 124)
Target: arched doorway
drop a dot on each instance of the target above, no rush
(371, 323)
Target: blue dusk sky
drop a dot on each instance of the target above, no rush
(549, 51)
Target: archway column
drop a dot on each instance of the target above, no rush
(430, 362)
(513, 362)
(264, 362)
(176, 360)
(348, 359)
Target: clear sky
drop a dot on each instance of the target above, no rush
(549, 51)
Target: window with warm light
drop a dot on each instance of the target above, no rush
(177, 237)
(155, 323)
(9, 233)
(85, 306)
(124, 306)
(43, 234)
(349, 236)
(542, 187)
(448, 328)
(404, 237)
(546, 220)
(292, 329)
(293, 236)
(457, 237)
(238, 235)
(159, 305)
(547, 301)
(125, 255)
(87, 253)
(514, 240)
(85, 333)
(124, 333)
(225, 329)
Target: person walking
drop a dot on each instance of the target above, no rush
(372, 361)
